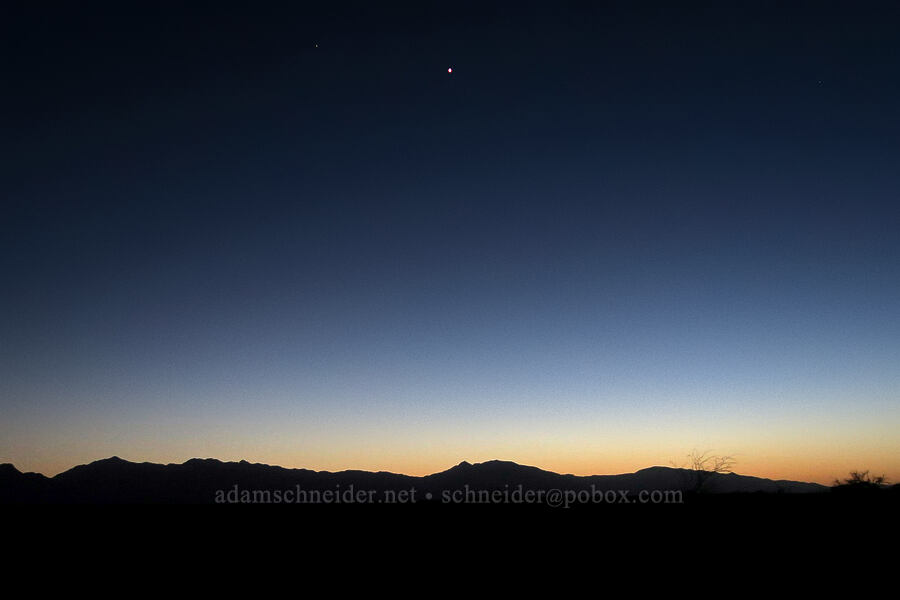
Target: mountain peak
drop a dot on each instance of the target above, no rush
(112, 460)
(9, 469)
(202, 461)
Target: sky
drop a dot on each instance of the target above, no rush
(615, 233)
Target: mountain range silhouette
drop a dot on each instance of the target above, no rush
(200, 481)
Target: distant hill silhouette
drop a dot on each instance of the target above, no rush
(114, 481)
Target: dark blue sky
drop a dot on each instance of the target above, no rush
(614, 232)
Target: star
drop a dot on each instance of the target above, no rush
(450, 70)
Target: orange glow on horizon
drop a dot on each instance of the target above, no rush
(794, 468)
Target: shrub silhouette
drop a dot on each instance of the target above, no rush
(860, 481)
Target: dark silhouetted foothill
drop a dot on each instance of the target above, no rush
(200, 481)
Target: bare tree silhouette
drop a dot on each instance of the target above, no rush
(701, 466)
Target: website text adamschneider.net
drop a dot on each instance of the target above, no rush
(555, 498)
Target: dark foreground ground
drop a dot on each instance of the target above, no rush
(232, 542)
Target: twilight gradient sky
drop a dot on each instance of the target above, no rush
(617, 232)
